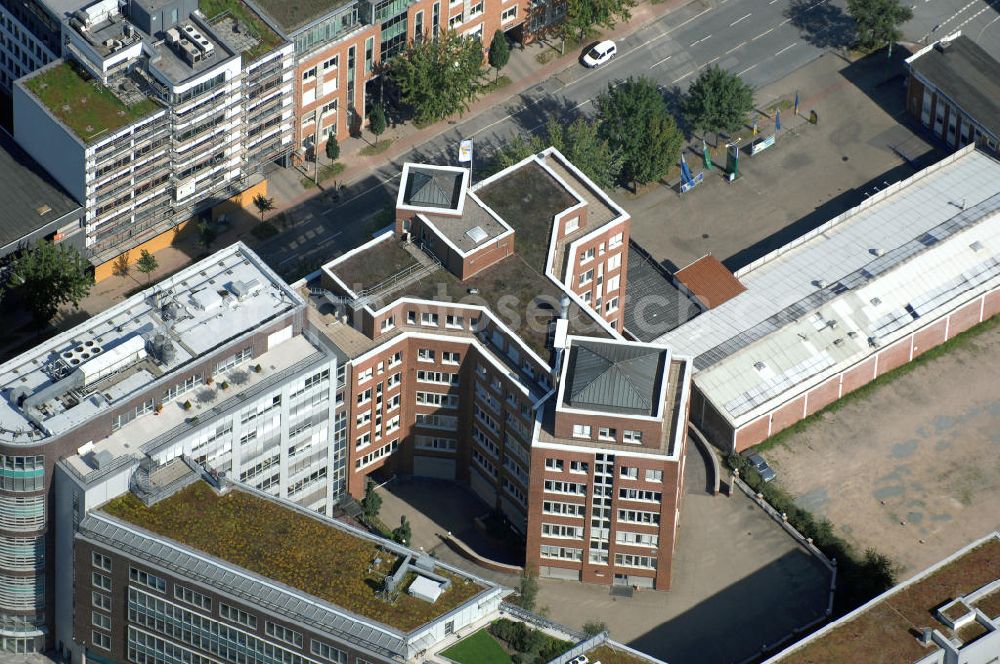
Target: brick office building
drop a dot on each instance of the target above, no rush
(339, 45)
(911, 267)
(460, 331)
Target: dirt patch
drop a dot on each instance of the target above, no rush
(912, 468)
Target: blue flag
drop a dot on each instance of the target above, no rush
(777, 120)
(796, 102)
(685, 171)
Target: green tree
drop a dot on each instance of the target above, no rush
(527, 589)
(584, 15)
(48, 276)
(634, 120)
(376, 121)
(147, 264)
(122, 267)
(372, 502)
(578, 141)
(206, 234)
(402, 534)
(499, 52)
(594, 627)
(263, 204)
(332, 147)
(438, 77)
(877, 22)
(717, 100)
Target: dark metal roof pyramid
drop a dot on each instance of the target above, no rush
(614, 378)
(433, 189)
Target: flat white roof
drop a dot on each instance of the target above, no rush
(832, 297)
(42, 394)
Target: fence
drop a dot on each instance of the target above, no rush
(540, 621)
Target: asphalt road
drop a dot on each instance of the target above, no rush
(762, 40)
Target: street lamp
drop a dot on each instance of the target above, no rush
(316, 136)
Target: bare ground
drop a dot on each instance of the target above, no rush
(913, 467)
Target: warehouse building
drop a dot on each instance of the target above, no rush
(913, 266)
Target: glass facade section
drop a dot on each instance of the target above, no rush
(22, 473)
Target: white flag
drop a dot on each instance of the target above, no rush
(465, 150)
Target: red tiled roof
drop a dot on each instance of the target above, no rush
(710, 281)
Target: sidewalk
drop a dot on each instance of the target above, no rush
(525, 72)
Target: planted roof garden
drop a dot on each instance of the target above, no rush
(266, 38)
(290, 547)
(83, 104)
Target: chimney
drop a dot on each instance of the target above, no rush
(926, 636)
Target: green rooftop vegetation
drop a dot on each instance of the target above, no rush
(267, 39)
(608, 655)
(527, 199)
(298, 550)
(293, 14)
(83, 104)
(374, 265)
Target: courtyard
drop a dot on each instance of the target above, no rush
(735, 570)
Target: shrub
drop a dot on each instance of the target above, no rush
(187, 405)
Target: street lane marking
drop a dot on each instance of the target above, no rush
(784, 22)
(772, 2)
(705, 38)
(742, 44)
(784, 49)
(739, 19)
(709, 62)
(747, 69)
(660, 62)
(766, 32)
(678, 80)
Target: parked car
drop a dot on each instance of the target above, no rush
(757, 462)
(600, 53)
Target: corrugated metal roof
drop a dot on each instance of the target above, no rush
(849, 250)
(614, 378)
(938, 255)
(654, 305)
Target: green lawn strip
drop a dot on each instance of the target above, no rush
(479, 648)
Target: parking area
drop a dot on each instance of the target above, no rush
(812, 174)
(910, 468)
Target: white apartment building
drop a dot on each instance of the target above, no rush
(155, 115)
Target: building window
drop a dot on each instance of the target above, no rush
(450, 357)
(611, 305)
(283, 633)
(100, 601)
(454, 322)
(418, 26)
(436, 19)
(100, 640)
(616, 241)
(640, 494)
(554, 464)
(456, 20)
(630, 560)
(612, 284)
(508, 14)
(22, 473)
(586, 277)
(332, 63)
(192, 597)
(238, 616)
(632, 437)
(387, 323)
(586, 256)
(309, 74)
(101, 581)
(369, 54)
(100, 620)
(327, 652)
(425, 355)
(606, 433)
(429, 319)
(147, 579)
(101, 561)
(614, 262)
(579, 467)
(654, 475)
(561, 552)
(629, 472)
(581, 431)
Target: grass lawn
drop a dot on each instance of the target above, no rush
(378, 147)
(479, 648)
(83, 104)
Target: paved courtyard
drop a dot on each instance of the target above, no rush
(739, 580)
(911, 468)
(811, 175)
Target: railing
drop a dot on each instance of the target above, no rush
(540, 621)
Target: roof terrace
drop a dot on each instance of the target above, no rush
(294, 548)
(887, 630)
(517, 294)
(88, 370)
(89, 108)
(290, 16)
(240, 27)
